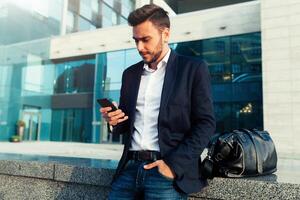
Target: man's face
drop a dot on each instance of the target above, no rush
(150, 41)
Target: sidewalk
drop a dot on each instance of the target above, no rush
(67, 149)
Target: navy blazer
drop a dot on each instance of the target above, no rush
(186, 118)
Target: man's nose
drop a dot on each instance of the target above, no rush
(140, 46)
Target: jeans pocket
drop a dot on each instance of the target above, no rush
(163, 176)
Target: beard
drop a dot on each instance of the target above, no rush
(154, 55)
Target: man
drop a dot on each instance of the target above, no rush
(165, 115)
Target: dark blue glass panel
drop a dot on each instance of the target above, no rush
(75, 76)
(72, 125)
(235, 66)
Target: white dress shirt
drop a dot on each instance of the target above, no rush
(145, 135)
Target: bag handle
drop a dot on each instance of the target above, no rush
(257, 150)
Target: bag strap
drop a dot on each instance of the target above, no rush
(257, 150)
(208, 164)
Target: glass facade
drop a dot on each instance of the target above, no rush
(72, 100)
(91, 14)
(43, 18)
(74, 76)
(71, 125)
(26, 85)
(54, 99)
(235, 66)
(29, 20)
(57, 98)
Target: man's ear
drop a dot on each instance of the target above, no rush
(166, 35)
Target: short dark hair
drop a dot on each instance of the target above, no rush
(158, 16)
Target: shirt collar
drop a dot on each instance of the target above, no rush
(162, 63)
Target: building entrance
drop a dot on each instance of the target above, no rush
(32, 119)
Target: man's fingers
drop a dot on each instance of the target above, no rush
(115, 122)
(105, 109)
(151, 165)
(123, 119)
(114, 113)
(118, 116)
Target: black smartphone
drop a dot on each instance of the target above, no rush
(107, 103)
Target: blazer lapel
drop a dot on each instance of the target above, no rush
(135, 81)
(169, 80)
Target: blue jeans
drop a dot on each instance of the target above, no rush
(137, 183)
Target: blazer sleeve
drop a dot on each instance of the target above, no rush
(202, 124)
(122, 127)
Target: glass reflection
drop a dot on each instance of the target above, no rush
(32, 81)
(71, 125)
(75, 76)
(91, 14)
(235, 66)
(40, 19)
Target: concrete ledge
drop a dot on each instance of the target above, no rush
(226, 188)
(42, 177)
(48, 177)
(83, 175)
(25, 168)
(20, 188)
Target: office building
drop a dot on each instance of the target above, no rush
(58, 57)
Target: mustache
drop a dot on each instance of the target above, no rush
(143, 53)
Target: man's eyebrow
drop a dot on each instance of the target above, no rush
(141, 38)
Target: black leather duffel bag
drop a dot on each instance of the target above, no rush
(240, 153)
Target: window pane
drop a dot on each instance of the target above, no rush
(235, 67)
(75, 76)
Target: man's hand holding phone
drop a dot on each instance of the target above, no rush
(111, 113)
